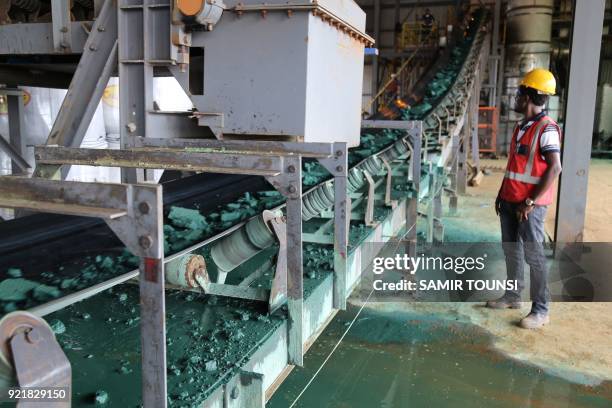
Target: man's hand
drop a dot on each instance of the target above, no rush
(522, 213)
(497, 205)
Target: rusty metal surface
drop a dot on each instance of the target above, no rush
(313, 150)
(29, 344)
(164, 158)
(102, 200)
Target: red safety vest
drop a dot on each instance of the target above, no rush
(525, 170)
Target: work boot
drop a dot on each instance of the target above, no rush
(534, 320)
(503, 303)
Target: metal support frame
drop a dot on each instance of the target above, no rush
(454, 174)
(497, 59)
(279, 163)
(283, 171)
(332, 156)
(462, 167)
(579, 117)
(29, 346)
(19, 164)
(438, 226)
(414, 139)
(96, 65)
(430, 207)
(473, 119)
(146, 44)
(60, 19)
(289, 184)
(435, 227)
(338, 167)
(17, 139)
(135, 214)
(388, 124)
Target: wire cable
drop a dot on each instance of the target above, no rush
(332, 351)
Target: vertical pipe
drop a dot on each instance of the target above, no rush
(579, 117)
(529, 25)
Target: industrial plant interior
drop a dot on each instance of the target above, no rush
(193, 194)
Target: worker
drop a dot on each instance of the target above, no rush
(526, 191)
(427, 21)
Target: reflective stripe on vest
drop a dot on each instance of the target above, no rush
(526, 177)
(522, 177)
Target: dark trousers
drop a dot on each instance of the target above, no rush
(523, 242)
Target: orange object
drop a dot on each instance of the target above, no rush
(190, 7)
(401, 104)
(487, 129)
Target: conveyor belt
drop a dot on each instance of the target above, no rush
(205, 190)
(40, 243)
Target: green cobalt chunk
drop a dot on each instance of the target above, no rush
(14, 272)
(101, 397)
(187, 218)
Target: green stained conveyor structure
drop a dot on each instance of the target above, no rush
(227, 349)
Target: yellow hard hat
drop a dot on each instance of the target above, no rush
(541, 80)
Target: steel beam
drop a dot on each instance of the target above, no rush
(37, 38)
(387, 124)
(579, 116)
(143, 235)
(262, 148)
(95, 67)
(135, 214)
(473, 119)
(337, 165)
(333, 156)
(289, 184)
(462, 155)
(495, 56)
(16, 158)
(60, 20)
(414, 177)
(174, 159)
(16, 126)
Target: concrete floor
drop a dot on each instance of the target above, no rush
(462, 354)
(562, 348)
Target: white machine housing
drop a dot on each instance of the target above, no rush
(287, 70)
